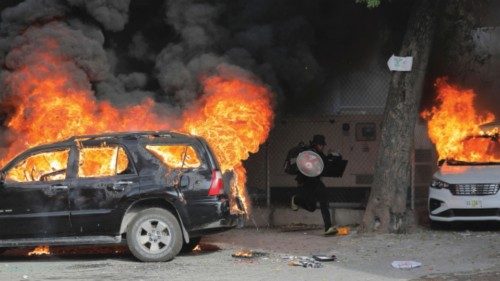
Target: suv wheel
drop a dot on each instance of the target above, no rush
(154, 235)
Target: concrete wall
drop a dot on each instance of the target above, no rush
(276, 217)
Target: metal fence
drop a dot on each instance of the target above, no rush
(350, 118)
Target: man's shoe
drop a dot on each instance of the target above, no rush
(293, 205)
(331, 231)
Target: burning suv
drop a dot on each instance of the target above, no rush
(158, 191)
(469, 190)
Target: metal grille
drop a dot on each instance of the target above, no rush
(469, 213)
(364, 179)
(474, 189)
(423, 155)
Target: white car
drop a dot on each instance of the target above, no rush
(465, 191)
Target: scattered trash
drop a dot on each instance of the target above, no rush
(25, 276)
(306, 262)
(325, 257)
(405, 264)
(299, 227)
(248, 254)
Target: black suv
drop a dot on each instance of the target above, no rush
(158, 191)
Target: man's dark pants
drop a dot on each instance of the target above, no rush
(310, 192)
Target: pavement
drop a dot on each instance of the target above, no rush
(456, 254)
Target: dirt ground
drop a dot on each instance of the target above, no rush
(456, 254)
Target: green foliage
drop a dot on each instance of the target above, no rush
(370, 3)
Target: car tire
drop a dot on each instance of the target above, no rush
(154, 235)
(188, 247)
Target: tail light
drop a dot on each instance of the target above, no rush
(216, 185)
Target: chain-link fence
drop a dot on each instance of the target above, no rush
(352, 128)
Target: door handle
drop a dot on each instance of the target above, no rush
(59, 187)
(124, 182)
(120, 185)
(115, 187)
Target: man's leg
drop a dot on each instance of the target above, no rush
(305, 199)
(322, 197)
(325, 212)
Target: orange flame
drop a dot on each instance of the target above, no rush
(234, 115)
(235, 118)
(175, 156)
(344, 230)
(52, 106)
(40, 250)
(91, 159)
(453, 126)
(243, 253)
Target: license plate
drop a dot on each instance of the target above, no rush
(474, 203)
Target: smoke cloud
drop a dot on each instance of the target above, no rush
(165, 54)
(129, 50)
(112, 14)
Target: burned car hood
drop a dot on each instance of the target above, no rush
(468, 174)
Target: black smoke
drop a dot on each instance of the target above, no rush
(132, 49)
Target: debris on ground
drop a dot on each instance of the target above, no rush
(303, 261)
(324, 257)
(405, 264)
(299, 227)
(248, 254)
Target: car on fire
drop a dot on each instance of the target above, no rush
(158, 192)
(468, 190)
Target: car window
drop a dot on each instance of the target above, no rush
(103, 161)
(176, 156)
(43, 166)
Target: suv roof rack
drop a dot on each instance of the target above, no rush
(133, 135)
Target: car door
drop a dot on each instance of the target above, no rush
(105, 177)
(34, 195)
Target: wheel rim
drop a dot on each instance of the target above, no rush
(154, 236)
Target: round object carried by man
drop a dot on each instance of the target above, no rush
(310, 163)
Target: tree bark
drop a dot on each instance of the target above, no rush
(387, 206)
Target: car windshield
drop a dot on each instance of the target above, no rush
(478, 150)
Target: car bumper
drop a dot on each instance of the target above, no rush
(216, 227)
(217, 217)
(444, 206)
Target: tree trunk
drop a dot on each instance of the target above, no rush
(387, 206)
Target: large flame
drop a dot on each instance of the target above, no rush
(51, 106)
(234, 114)
(235, 117)
(453, 126)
